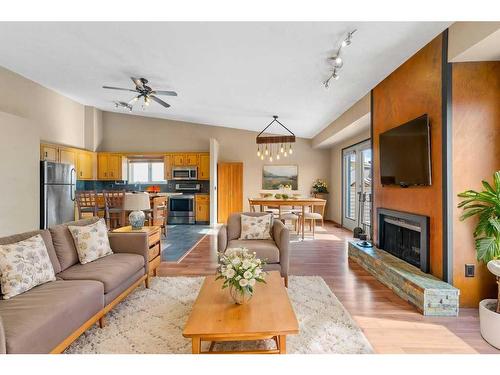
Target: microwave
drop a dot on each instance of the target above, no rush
(185, 173)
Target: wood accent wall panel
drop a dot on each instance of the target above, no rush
(229, 190)
(411, 91)
(476, 156)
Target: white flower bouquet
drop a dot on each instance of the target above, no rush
(240, 270)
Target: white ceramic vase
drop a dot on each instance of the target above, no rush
(489, 321)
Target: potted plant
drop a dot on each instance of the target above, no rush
(319, 188)
(485, 205)
(240, 270)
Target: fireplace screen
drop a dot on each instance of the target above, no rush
(405, 236)
(402, 242)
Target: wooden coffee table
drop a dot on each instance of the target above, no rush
(268, 315)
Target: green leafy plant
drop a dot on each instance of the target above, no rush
(486, 206)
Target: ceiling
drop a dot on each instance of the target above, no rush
(227, 74)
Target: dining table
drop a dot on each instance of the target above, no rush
(302, 202)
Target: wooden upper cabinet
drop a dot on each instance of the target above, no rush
(167, 165)
(49, 153)
(102, 166)
(111, 167)
(85, 165)
(191, 159)
(204, 167)
(179, 159)
(68, 156)
(84, 161)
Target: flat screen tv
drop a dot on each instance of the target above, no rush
(405, 154)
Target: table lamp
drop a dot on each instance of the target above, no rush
(136, 203)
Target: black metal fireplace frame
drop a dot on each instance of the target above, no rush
(423, 222)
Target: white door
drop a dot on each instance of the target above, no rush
(357, 180)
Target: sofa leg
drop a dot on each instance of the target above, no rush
(146, 282)
(286, 281)
(102, 321)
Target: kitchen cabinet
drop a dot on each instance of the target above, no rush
(229, 190)
(202, 203)
(179, 159)
(68, 156)
(204, 167)
(85, 165)
(191, 159)
(49, 153)
(167, 165)
(84, 161)
(111, 167)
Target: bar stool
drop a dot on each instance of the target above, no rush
(86, 202)
(115, 214)
(160, 213)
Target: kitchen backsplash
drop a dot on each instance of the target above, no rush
(112, 185)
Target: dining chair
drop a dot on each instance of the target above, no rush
(159, 213)
(287, 213)
(86, 202)
(316, 212)
(115, 214)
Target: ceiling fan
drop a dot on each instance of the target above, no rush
(144, 91)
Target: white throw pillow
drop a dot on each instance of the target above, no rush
(91, 241)
(256, 227)
(24, 265)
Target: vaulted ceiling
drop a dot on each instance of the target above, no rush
(227, 74)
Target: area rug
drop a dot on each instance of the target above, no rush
(180, 240)
(151, 321)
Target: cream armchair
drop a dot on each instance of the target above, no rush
(275, 251)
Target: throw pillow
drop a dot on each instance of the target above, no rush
(256, 227)
(91, 241)
(24, 265)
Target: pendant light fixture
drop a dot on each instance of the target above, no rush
(276, 143)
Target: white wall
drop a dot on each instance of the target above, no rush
(335, 186)
(19, 171)
(53, 116)
(130, 133)
(30, 113)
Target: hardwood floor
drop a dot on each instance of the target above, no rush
(390, 324)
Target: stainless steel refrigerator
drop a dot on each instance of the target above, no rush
(57, 193)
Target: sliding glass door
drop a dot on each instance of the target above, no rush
(357, 186)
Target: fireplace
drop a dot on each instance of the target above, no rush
(405, 236)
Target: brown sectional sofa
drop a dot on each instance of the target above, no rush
(49, 317)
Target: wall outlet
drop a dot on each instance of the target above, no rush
(469, 270)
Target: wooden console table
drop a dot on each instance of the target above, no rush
(154, 234)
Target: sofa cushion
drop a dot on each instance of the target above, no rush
(234, 224)
(256, 228)
(264, 249)
(91, 241)
(64, 245)
(24, 265)
(40, 319)
(112, 270)
(47, 239)
(111, 295)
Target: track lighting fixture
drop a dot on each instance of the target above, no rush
(337, 60)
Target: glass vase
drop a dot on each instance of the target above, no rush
(240, 297)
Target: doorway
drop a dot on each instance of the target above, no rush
(357, 186)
